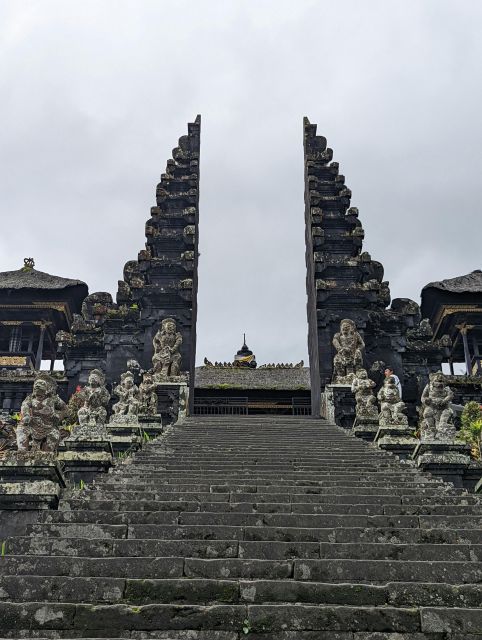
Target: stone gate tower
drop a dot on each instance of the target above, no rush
(161, 283)
(343, 281)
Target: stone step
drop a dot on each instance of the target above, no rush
(310, 489)
(265, 533)
(80, 500)
(263, 618)
(267, 550)
(304, 520)
(131, 504)
(267, 528)
(204, 591)
(305, 569)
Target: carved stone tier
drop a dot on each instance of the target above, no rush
(151, 425)
(343, 282)
(33, 483)
(365, 429)
(447, 460)
(125, 433)
(398, 439)
(83, 455)
(338, 405)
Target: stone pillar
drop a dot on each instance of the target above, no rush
(40, 348)
(173, 401)
(338, 405)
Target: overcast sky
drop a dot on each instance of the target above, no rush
(94, 96)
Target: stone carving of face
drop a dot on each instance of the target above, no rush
(170, 327)
(363, 374)
(345, 328)
(41, 389)
(94, 380)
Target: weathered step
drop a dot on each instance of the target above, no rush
(261, 618)
(81, 500)
(55, 519)
(267, 550)
(326, 570)
(310, 489)
(205, 591)
(131, 504)
(114, 547)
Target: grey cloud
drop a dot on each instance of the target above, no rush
(94, 97)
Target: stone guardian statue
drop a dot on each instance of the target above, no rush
(148, 395)
(437, 415)
(166, 361)
(349, 348)
(128, 394)
(92, 415)
(392, 408)
(42, 413)
(366, 403)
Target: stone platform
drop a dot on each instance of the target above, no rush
(266, 528)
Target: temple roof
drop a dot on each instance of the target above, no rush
(29, 278)
(231, 377)
(470, 283)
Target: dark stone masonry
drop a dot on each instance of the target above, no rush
(144, 498)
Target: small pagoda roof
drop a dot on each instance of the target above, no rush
(470, 283)
(453, 302)
(29, 278)
(30, 295)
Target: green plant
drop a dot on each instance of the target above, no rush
(471, 431)
(81, 485)
(146, 437)
(17, 417)
(134, 306)
(3, 549)
(246, 626)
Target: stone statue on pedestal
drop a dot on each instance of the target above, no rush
(42, 413)
(392, 408)
(437, 415)
(366, 403)
(349, 347)
(128, 394)
(92, 415)
(148, 395)
(166, 361)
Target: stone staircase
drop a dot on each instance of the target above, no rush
(256, 527)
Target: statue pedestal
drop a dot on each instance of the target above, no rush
(338, 405)
(30, 483)
(365, 429)
(172, 400)
(397, 439)
(124, 433)
(151, 425)
(447, 460)
(87, 454)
